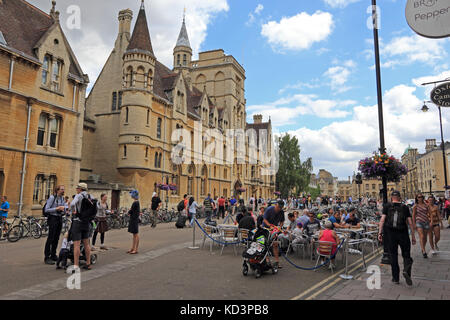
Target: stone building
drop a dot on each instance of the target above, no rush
(430, 169)
(410, 180)
(345, 189)
(326, 182)
(136, 106)
(42, 90)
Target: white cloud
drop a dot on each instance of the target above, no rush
(259, 8)
(340, 3)
(407, 50)
(251, 16)
(339, 75)
(299, 32)
(94, 42)
(338, 146)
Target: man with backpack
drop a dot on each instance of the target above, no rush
(54, 209)
(395, 220)
(84, 209)
(208, 203)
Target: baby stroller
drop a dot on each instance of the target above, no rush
(257, 257)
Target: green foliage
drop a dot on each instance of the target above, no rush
(292, 173)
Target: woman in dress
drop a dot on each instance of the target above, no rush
(436, 224)
(133, 226)
(421, 221)
(100, 220)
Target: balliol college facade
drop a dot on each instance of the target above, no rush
(136, 107)
(123, 135)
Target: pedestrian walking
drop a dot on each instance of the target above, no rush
(208, 205)
(133, 226)
(81, 226)
(221, 204)
(422, 222)
(436, 224)
(4, 209)
(100, 220)
(155, 206)
(395, 220)
(447, 210)
(192, 210)
(55, 209)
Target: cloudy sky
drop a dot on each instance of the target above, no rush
(309, 66)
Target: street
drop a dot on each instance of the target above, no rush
(164, 269)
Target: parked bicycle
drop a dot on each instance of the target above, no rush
(29, 227)
(4, 228)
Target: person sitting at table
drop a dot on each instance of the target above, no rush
(304, 217)
(312, 225)
(260, 217)
(353, 221)
(344, 214)
(246, 221)
(329, 235)
(336, 221)
(285, 236)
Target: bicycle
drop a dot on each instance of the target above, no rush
(4, 228)
(44, 225)
(31, 227)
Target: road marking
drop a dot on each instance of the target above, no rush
(46, 288)
(370, 256)
(340, 279)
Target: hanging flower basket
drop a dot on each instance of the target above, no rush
(241, 190)
(163, 186)
(277, 193)
(172, 187)
(382, 165)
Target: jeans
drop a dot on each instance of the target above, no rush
(399, 238)
(192, 217)
(54, 231)
(208, 215)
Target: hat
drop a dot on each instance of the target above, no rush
(395, 193)
(134, 194)
(82, 186)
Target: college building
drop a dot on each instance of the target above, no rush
(136, 107)
(42, 98)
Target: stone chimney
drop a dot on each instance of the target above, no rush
(430, 144)
(125, 17)
(257, 118)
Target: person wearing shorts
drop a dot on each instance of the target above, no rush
(436, 224)
(422, 222)
(80, 230)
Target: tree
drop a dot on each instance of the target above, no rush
(292, 173)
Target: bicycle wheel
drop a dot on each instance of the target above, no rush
(35, 230)
(15, 234)
(167, 217)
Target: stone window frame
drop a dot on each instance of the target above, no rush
(159, 128)
(47, 130)
(53, 80)
(43, 188)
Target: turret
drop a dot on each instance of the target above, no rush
(182, 53)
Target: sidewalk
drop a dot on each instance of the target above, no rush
(431, 278)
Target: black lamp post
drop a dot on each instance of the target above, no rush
(385, 259)
(425, 109)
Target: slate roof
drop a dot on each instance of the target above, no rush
(140, 40)
(183, 38)
(23, 25)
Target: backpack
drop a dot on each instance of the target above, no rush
(45, 214)
(396, 217)
(180, 206)
(88, 209)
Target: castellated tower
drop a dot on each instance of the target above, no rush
(137, 92)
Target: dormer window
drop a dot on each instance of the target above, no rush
(45, 69)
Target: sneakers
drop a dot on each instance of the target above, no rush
(407, 278)
(49, 261)
(425, 256)
(432, 252)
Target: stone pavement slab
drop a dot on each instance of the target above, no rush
(431, 278)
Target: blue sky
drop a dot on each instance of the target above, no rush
(309, 66)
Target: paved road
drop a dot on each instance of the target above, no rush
(164, 269)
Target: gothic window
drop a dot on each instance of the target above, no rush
(50, 187)
(54, 132)
(45, 69)
(41, 129)
(158, 128)
(114, 101)
(178, 60)
(37, 190)
(56, 75)
(184, 60)
(156, 159)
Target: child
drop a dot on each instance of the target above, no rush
(64, 252)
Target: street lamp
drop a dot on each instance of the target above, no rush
(425, 109)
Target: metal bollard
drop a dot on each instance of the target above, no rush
(346, 276)
(193, 236)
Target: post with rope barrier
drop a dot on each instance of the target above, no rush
(193, 237)
(346, 276)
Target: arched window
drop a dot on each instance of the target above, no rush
(50, 187)
(184, 60)
(160, 160)
(178, 60)
(156, 159)
(150, 80)
(141, 78)
(129, 77)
